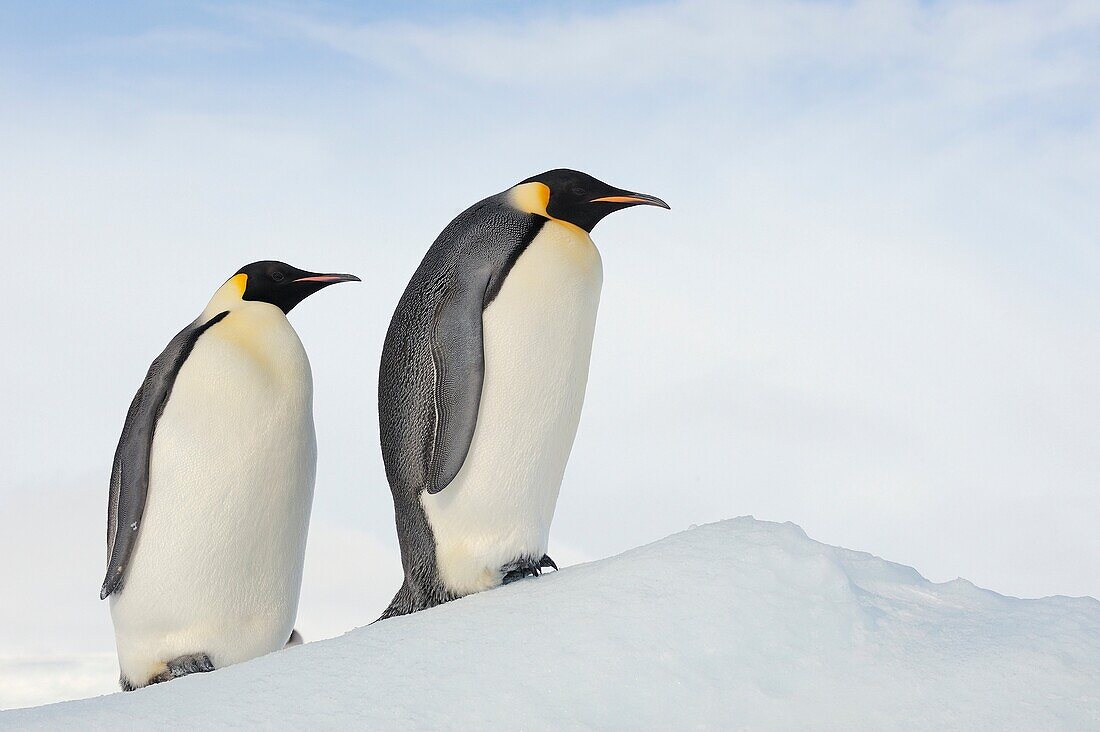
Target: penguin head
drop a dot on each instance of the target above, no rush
(281, 285)
(578, 198)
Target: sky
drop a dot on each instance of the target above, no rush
(872, 310)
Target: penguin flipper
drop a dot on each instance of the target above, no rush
(458, 358)
(130, 471)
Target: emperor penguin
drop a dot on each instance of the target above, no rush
(212, 485)
(481, 383)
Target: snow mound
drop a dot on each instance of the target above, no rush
(739, 624)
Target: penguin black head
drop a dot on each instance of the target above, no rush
(282, 285)
(583, 201)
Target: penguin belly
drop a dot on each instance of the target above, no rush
(217, 565)
(537, 337)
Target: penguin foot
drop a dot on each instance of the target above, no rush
(520, 569)
(195, 663)
(515, 575)
(524, 568)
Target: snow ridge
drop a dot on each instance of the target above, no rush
(738, 624)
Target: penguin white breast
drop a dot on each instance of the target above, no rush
(217, 565)
(538, 343)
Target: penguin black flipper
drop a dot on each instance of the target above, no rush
(130, 472)
(433, 363)
(458, 361)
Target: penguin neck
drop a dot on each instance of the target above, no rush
(533, 198)
(259, 330)
(228, 297)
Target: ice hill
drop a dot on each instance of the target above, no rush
(742, 624)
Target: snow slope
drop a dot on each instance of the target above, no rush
(739, 624)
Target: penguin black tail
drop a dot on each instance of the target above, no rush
(402, 603)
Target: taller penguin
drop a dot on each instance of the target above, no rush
(482, 379)
(212, 485)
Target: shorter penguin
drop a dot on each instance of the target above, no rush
(212, 485)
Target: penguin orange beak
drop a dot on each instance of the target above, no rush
(329, 279)
(633, 199)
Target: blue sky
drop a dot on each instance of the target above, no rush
(873, 309)
(73, 43)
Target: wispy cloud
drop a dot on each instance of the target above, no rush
(982, 49)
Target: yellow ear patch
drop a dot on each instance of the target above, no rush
(239, 282)
(228, 296)
(532, 198)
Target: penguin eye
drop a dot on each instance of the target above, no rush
(278, 276)
(578, 192)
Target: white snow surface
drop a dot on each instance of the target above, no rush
(742, 624)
